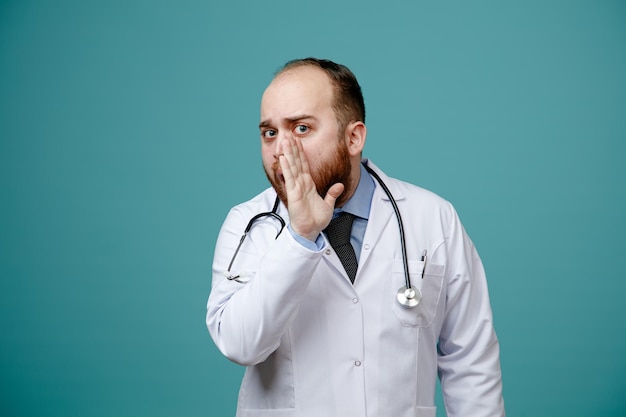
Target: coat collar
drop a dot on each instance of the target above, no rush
(396, 192)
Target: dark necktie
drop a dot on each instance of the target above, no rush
(338, 232)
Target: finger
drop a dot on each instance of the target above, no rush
(290, 149)
(298, 165)
(304, 163)
(294, 182)
(333, 194)
(285, 167)
(298, 155)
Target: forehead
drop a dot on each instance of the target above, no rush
(298, 90)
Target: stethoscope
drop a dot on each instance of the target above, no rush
(407, 296)
(273, 214)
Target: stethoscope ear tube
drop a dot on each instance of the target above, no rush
(407, 296)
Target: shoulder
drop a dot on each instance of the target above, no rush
(416, 200)
(262, 202)
(415, 192)
(404, 190)
(421, 200)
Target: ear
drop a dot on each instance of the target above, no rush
(355, 135)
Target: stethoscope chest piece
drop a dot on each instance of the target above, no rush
(408, 297)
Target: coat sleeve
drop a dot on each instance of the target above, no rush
(247, 320)
(469, 354)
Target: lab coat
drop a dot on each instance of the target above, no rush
(316, 345)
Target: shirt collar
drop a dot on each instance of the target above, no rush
(360, 202)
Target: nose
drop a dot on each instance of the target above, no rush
(280, 142)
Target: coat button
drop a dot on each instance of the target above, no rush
(357, 363)
(366, 247)
(355, 300)
(328, 251)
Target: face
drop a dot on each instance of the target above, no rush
(298, 103)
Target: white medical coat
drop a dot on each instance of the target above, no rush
(317, 346)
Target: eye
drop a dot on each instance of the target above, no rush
(300, 129)
(268, 133)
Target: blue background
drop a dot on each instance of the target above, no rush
(128, 129)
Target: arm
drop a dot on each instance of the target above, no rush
(247, 321)
(469, 357)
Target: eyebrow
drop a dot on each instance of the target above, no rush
(297, 118)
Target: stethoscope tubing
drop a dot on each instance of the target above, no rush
(275, 215)
(407, 296)
(405, 262)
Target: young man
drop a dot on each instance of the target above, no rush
(321, 324)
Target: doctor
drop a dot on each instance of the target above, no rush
(319, 339)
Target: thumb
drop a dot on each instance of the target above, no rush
(333, 193)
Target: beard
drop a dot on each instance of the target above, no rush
(336, 170)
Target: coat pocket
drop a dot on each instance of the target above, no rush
(430, 288)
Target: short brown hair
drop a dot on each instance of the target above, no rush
(348, 101)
